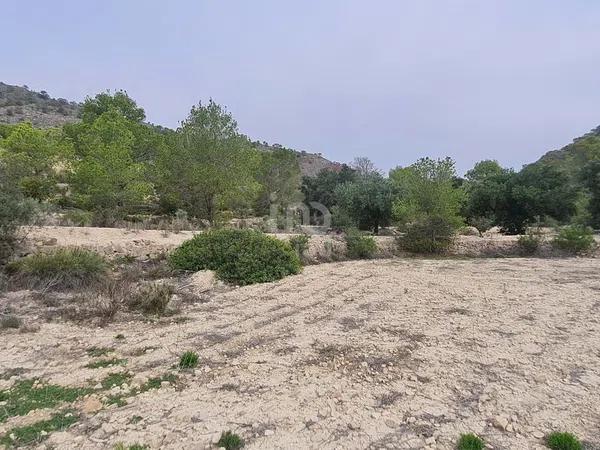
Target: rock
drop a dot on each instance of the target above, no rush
(353, 426)
(500, 422)
(430, 440)
(201, 282)
(50, 241)
(269, 432)
(91, 405)
(538, 434)
(532, 349)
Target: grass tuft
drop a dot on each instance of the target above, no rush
(37, 432)
(230, 441)
(188, 360)
(563, 441)
(102, 363)
(470, 442)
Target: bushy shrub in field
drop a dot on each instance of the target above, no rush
(431, 234)
(300, 244)
(237, 256)
(152, 298)
(563, 441)
(530, 241)
(470, 442)
(60, 269)
(360, 246)
(574, 239)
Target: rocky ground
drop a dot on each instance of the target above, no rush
(389, 353)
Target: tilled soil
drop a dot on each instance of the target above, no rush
(398, 353)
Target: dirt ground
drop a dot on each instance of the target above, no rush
(392, 353)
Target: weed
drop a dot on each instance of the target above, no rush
(10, 321)
(360, 246)
(115, 379)
(37, 432)
(152, 299)
(96, 352)
(230, 441)
(563, 441)
(121, 446)
(530, 241)
(102, 363)
(300, 244)
(188, 360)
(470, 442)
(574, 239)
(120, 337)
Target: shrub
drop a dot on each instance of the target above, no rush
(563, 441)
(230, 441)
(62, 268)
(574, 239)
(188, 360)
(300, 244)
(530, 241)
(10, 321)
(360, 246)
(15, 211)
(470, 442)
(152, 298)
(431, 234)
(238, 256)
(78, 218)
(482, 223)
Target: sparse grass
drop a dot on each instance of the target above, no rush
(115, 379)
(530, 241)
(230, 441)
(121, 446)
(152, 298)
(96, 352)
(10, 321)
(470, 442)
(120, 337)
(152, 383)
(64, 268)
(37, 432)
(102, 363)
(155, 383)
(27, 396)
(563, 441)
(188, 360)
(574, 239)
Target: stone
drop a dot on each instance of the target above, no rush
(269, 432)
(500, 422)
(91, 405)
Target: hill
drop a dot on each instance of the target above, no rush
(20, 104)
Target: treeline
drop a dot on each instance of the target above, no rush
(114, 165)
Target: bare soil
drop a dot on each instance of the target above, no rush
(390, 353)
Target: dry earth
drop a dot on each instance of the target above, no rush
(390, 353)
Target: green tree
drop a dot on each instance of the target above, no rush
(367, 201)
(321, 189)
(208, 166)
(93, 108)
(279, 177)
(590, 178)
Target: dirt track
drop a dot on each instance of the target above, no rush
(374, 354)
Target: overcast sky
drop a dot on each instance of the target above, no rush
(389, 79)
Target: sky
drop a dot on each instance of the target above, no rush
(392, 80)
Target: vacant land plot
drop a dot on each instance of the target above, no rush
(374, 354)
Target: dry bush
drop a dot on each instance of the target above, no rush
(151, 298)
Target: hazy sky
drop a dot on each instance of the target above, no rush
(392, 80)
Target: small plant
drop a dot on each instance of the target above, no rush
(300, 244)
(78, 218)
(230, 441)
(152, 298)
(121, 446)
(429, 235)
(530, 241)
(120, 337)
(188, 360)
(115, 379)
(470, 442)
(360, 246)
(102, 363)
(574, 239)
(60, 269)
(238, 256)
(563, 441)
(10, 321)
(96, 352)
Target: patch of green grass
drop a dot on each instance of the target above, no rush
(121, 446)
(154, 383)
(25, 396)
(96, 352)
(136, 419)
(105, 363)
(37, 432)
(470, 442)
(230, 441)
(188, 360)
(563, 441)
(115, 379)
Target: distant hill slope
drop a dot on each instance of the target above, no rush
(20, 104)
(574, 156)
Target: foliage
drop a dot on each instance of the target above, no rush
(120, 102)
(35, 433)
(431, 234)
(230, 441)
(188, 360)
(152, 298)
(102, 363)
(482, 223)
(574, 239)
(530, 241)
(590, 178)
(10, 321)
(300, 244)
(63, 268)
(322, 188)
(367, 201)
(470, 442)
(563, 441)
(360, 246)
(278, 174)
(238, 256)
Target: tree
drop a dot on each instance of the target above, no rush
(279, 177)
(590, 178)
(321, 189)
(93, 108)
(208, 164)
(363, 166)
(484, 191)
(367, 201)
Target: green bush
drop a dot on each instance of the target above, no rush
(470, 442)
(530, 241)
(360, 246)
(563, 441)
(78, 218)
(10, 321)
(574, 239)
(300, 244)
(230, 441)
(188, 360)
(431, 234)
(60, 269)
(15, 210)
(237, 256)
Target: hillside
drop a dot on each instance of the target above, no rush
(20, 104)
(574, 156)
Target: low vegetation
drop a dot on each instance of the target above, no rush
(574, 239)
(10, 321)
(430, 235)
(563, 441)
(230, 441)
(237, 256)
(102, 363)
(35, 433)
(470, 442)
(300, 244)
(359, 246)
(64, 268)
(152, 298)
(188, 360)
(530, 242)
